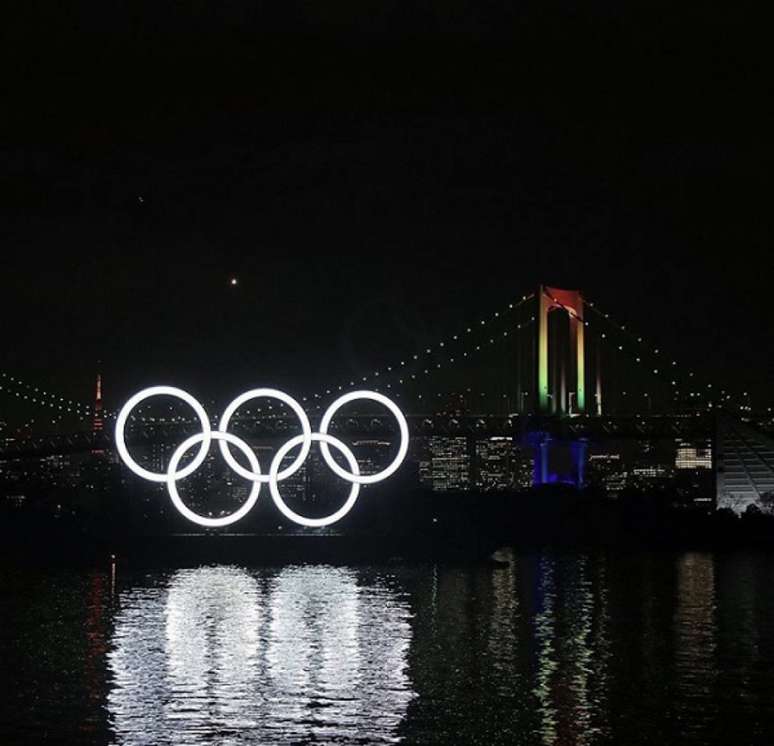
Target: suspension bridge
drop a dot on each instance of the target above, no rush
(549, 367)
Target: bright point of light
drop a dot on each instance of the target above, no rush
(233, 281)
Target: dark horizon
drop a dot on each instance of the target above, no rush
(374, 186)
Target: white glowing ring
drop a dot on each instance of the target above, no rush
(323, 439)
(123, 415)
(254, 473)
(255, 487)
(402, 425)
(306, 429)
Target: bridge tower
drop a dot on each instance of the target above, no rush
(553, 396)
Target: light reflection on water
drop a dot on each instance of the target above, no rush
(547, 665)
(220, 654)
(695, 644)
(550, 649)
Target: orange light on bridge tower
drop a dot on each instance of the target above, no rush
(552, 299)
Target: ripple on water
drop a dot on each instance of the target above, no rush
(220, 653)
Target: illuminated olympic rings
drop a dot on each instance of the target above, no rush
(275, 475)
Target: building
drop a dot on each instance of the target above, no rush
(493, 463)
(501, 464)
(607, 470)
(445, 463)
(691, 456)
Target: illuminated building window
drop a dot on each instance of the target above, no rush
(447, 464)
(693, 457)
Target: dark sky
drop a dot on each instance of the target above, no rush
(376, 175)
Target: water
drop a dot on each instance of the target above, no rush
(549, 649)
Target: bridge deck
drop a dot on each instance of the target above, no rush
(363, 426)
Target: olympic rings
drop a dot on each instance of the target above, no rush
(253, 474)
(306, 428)
(404, 437)
(325, 440)
(121, 426)
(255, 488)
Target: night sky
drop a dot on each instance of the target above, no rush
(376, 175)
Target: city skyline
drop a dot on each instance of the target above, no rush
(509, 261)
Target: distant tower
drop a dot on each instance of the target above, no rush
(98, 422)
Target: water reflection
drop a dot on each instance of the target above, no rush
(218, 654)
(580, 666)
(572, 650)
(212, 625)
(695, 645)
(545, 636)
(558, 649)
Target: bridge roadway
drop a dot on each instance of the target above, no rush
(370, 427)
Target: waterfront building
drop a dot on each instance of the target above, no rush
(445, 463)
(691, 456)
